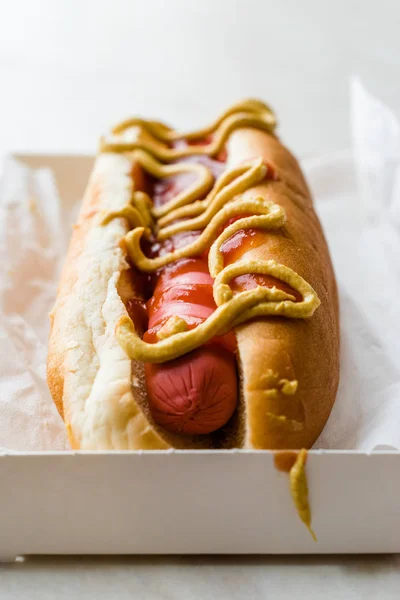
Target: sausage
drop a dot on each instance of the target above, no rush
(197, 393)
(194, 394)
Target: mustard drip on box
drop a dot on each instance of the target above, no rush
(223, 202)
(299, 490)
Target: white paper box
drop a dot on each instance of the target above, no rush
(229, 502)
(182, 502)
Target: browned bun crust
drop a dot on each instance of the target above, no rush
(101, 394)
(273, 348)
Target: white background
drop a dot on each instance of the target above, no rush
(69, 69)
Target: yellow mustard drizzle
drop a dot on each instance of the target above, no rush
(230, 184)
(299, 490)
(137, 213)
(203, 184)
(268, 216)
(247, 113)
(209, 216)
(173, 326)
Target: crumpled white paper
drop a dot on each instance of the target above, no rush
(32, 242)
(358, 198)
(359, 203)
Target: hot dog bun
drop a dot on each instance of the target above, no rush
(288, 367)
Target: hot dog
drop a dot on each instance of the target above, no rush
(198, 305)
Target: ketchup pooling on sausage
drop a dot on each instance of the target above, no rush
(197, 393)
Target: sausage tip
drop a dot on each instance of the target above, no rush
(195, 394)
